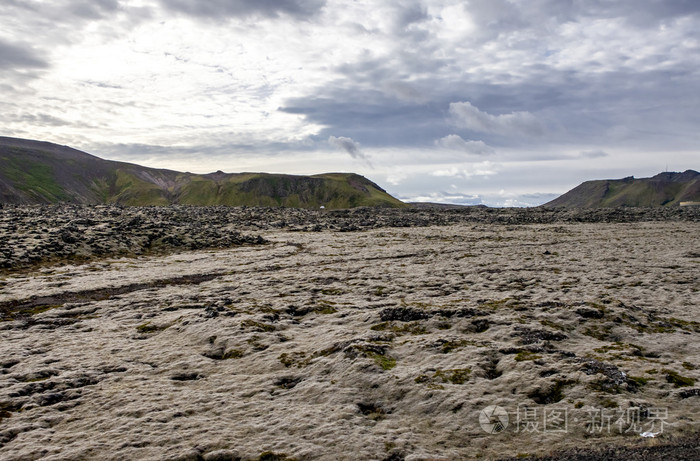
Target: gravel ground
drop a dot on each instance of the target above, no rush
(301, 339)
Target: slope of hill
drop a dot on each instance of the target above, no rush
(664, 189)
(34, 172)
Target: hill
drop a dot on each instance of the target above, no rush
(35, 172)
(664, 189)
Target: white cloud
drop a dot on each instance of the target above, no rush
(446, 198)
(477, 169)
(465, 115)
(455, 142)
(396, 177)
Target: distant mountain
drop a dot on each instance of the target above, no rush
(34, 172)
(664, 189)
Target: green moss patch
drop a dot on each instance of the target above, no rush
(414, 328)
(687, 325)
(258, 326)
(551, 394)
(453, 376)
(496, 304)
(148, 327)
(448, 346)
(677, 380)
(525, 355)
(385, 362)
(294, 359)
(439, 376)
(232, 354)
(599, 332)
(7, 408)
(272, 456)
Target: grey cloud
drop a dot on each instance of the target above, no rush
(217, 147)
(411, 14)
(217, 9)
(495, 16)
(102, 85)
(464, 114)
(349, 146)
(62, 23)
(407, 20)
(45, 120)
(65, 11)
(371, 117)
(124, 151)
(19, 56)
(503, 15)
(405, 91)
(93, 9)
(410, 114)
(636, 12)
(593, 154)
(629, 108)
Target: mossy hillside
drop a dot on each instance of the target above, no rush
(101, 188)
(664, 189)
(32, 177)
(34, 172)
(133, 191)
(199, 191)
(642, 194)
(38, 172)
(370, 194)
(331, 191)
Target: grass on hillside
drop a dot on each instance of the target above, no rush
(32, 177)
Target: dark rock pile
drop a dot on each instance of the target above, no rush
(32, 235)
(688, 448)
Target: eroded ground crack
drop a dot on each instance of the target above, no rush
(17, 309)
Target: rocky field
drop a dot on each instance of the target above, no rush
(245, 333)
(31, 236)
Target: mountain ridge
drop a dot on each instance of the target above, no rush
(663, 189)
(39, 172)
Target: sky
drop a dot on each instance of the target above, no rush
(496, 102)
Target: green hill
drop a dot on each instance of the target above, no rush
(664, 189)
(34, 172)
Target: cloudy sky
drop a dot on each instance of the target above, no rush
(502, 102)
